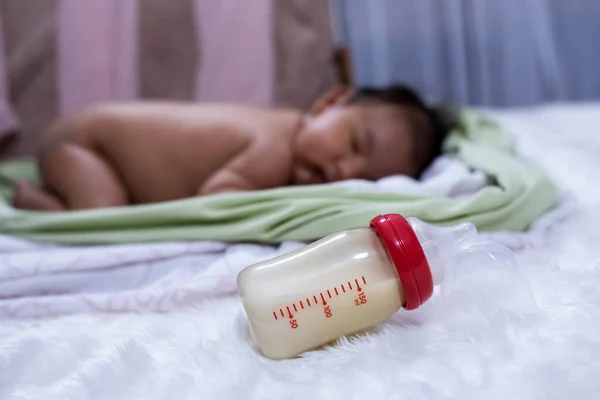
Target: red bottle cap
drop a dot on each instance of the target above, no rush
(408, 257)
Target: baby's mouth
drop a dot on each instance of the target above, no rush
(328, 174)
(320, 176)
(332, 173)
(310, 176)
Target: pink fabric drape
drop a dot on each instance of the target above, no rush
(8, 118)
(241, 72)
(98, 52)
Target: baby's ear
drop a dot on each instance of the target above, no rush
(338, 95)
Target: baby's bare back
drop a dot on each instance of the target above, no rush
(167, 151)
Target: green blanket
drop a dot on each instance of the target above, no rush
(520, 194)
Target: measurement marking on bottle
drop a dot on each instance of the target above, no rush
(362, 298)
(358, 301)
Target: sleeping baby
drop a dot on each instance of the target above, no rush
(146, 152)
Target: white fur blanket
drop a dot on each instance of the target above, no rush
(199, 346)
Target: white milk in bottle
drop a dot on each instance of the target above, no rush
(347, 282)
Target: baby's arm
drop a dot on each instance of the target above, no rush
(234, 176)
(226, 180)
(265, 164)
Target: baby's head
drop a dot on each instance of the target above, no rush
(366, 134)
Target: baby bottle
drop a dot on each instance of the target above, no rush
(350, 281)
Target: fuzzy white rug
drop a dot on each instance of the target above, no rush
(484, 349)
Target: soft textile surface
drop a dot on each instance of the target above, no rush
(38, 280)
(485, 349)
(522, 192)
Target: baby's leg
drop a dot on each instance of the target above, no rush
(74, 177)
(29, 197)
(80, 177)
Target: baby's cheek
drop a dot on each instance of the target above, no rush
(308, 147)
(394, 166)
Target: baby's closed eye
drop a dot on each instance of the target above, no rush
(362, 143)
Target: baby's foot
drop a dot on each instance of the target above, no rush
(29, 197)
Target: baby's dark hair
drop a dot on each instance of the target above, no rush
(430, 131)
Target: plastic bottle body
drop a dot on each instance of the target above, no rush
(339, 285)
(352, 280)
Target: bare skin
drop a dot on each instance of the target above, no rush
(152, 152)
(148, 152)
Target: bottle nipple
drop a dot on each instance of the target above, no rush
(443, 245)
(467, 266)
(459, 260)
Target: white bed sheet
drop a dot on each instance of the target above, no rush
(199, 346)
(40, 281)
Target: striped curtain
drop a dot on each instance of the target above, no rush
(8, 119)
(97, 52)
(98, 47)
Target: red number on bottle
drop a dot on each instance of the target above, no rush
(362, 299)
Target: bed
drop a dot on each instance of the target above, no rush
(199, 345)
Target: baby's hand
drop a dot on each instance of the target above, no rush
(225, 181)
